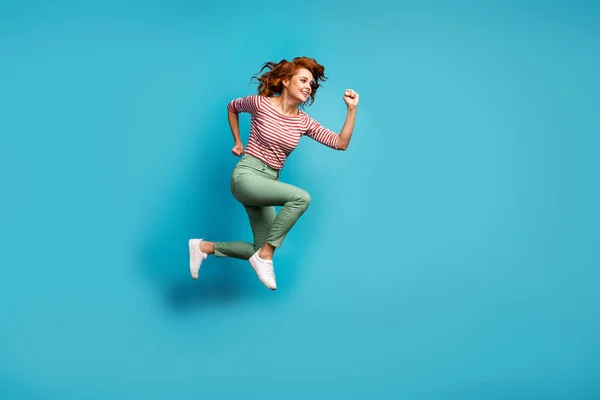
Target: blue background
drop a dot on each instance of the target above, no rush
(452, 252)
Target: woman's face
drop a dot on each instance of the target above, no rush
(299, 87)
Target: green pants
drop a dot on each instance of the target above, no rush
(257, 187)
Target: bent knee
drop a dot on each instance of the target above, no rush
(307, 198)
(303, 198)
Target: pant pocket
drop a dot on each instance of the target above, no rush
(237, 174)
(233, 181)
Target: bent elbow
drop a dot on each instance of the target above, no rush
(342, 146)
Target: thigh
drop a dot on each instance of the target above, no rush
(261, 221)
(257, 191)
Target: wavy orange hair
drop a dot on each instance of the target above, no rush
(271, 82)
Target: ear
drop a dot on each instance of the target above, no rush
(285, 83)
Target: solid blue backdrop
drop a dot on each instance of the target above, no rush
(452, 252)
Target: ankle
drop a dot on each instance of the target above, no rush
(266, 252)
(207, 247)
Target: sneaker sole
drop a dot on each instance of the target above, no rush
(192, 265)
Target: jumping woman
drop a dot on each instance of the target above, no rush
(277, 124)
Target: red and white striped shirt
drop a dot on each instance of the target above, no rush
(273, 136)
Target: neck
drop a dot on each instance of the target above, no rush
(286, 105)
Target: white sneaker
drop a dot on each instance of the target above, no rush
(196, 257)
(264, 270)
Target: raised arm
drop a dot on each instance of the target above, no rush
(351, 100)
(338, 141)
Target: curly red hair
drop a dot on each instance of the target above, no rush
(271, 82)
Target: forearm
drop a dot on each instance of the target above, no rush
(346, 132)
(234, 125)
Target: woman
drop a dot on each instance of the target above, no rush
(277, 124)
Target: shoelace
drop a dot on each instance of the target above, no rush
(270, 270)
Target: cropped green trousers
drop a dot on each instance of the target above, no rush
(257, 187)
